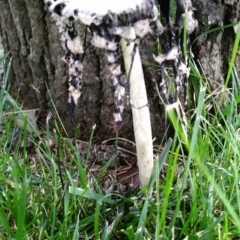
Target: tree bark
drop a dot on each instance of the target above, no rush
(213, 51)
(38, 72)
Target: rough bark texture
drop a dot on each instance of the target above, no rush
(213, 51)
(31, 36)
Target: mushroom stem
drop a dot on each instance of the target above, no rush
(140, 108)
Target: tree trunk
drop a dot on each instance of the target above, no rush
(38, 72)
(213, 51)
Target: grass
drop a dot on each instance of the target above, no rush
(53, 194)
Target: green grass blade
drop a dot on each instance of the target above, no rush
(96, 221)
(22, 210)
(161, 160)
(234, 54)
(91, 195)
